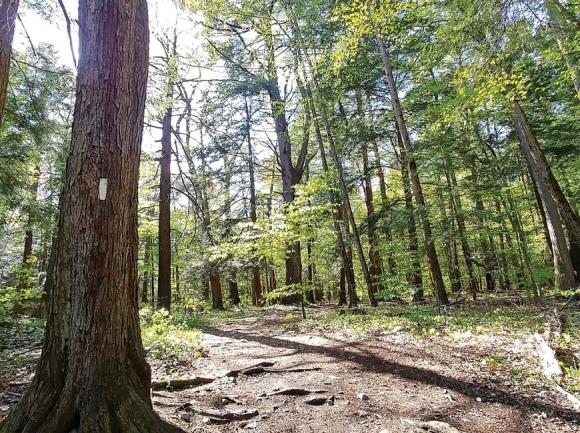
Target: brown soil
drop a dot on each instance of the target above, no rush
(405, 381)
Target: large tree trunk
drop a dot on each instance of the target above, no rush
(8, 12)
(564, 271)
(216, 289)
(569, 217)
(311, 270)
(92, 375)
(291, 174)
(375, 262)
(432, 259)
(164, 272)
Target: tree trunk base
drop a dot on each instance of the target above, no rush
(67, 412)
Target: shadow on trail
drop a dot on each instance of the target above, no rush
(372, 363)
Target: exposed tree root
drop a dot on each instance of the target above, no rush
(234, 373)
(227, 416)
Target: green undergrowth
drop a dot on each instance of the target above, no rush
(426, 320)
(178, 336)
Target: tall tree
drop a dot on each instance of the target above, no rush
(92, 343)
(164, 272)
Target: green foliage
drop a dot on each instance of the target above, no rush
(168, 336)
(16, 300)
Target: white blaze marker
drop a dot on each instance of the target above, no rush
(102, 189)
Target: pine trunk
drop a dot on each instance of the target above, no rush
(164, 271)
(310, 280)
(344, 249)
(216, 289)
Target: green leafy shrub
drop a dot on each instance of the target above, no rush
(168, 337)
(12, 299)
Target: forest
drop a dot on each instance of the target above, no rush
(289, 215)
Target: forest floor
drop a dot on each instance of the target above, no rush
(274, 372)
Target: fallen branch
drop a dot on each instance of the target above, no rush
(296, 391)
(227, 416)
(550, 367)
(571, 398)
(180, 383)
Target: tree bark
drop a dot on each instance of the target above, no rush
(8, 13)
(432, 259)
(216, 289)
(92, 375)
(346, 203)
(342, 287)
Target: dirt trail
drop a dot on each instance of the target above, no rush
(390, 382)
